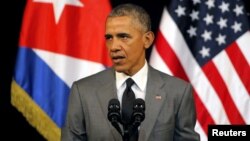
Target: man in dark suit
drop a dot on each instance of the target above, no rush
(170, 111)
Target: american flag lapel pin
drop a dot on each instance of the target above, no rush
(158, 97)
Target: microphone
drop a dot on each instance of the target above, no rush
(138, 112)
(114, 115)
(138, 116)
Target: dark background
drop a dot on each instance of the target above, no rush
(13, 124)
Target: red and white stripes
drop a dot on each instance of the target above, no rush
(221, 87)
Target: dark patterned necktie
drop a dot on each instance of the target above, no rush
(127, 101)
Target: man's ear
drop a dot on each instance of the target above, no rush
(148, 39)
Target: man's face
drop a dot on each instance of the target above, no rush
(125, 41)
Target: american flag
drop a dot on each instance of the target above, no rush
(207, 42)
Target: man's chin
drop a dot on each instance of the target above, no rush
(119, 69)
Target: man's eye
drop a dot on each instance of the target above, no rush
(107, 37)
(124, 37)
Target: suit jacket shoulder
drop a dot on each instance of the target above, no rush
(170, 80)
(99, 78)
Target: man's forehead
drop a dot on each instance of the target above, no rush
(119, 20)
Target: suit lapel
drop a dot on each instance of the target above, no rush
(155, 97)
(105, 92)
(154, 100)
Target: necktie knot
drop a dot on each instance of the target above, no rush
(129, 82)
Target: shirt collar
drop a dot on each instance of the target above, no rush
(140, 77)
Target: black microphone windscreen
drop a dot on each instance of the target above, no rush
(114, 101)
(114, 114)
(138, 112)
(114, 110)
(114, 105)
(139, 104)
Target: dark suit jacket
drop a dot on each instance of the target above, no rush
(169, 115)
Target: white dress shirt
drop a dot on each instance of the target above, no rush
(140, 79)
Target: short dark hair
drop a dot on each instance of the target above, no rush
(136, 12)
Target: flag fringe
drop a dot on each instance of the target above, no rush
(33, 113)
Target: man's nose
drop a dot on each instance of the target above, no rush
(115, 46)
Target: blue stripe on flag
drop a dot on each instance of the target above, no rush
(42, 84)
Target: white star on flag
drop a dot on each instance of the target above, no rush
(238, 10)
(192, 31)
(58, 6)
(180, 11)
(207, 35)
(236, 27)
(205, 52)
(196, 2)
(210, 4)
(224, 7)
(208, 19)
(221, 39)
(222, 23)
(194, 15)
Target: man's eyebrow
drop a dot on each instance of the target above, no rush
(123, 35)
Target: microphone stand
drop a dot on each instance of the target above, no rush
(114, 122)
(129, 128)
(114, 114)
(125, 136)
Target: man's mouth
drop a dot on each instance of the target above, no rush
(117, 59)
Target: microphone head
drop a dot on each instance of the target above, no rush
(114, 115)
(113, 102)
(114, 110)
(139, 104)
(139, 110)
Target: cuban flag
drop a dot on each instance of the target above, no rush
(60, 41)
